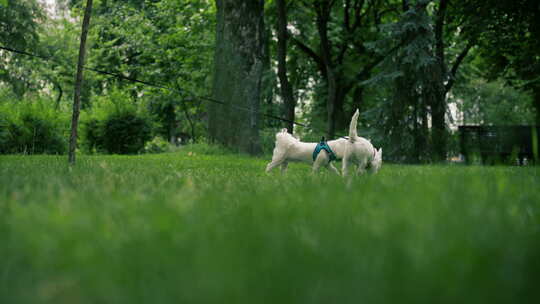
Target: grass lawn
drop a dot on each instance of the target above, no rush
(181, 228)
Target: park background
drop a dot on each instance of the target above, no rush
(184, 71)
(202, 222)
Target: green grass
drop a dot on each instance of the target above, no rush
(179, 228)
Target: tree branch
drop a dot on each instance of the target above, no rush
(346, 15)
(439, 40)
(455, 67)
(310, 53)
(358, 5)
(378, 59)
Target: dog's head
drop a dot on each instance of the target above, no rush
(376, 162)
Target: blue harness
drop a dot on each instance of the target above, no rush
(323, 146)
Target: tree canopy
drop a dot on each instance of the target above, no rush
(408, 65)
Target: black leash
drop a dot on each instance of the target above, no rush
(161, 86)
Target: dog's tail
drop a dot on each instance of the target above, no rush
(352, 129)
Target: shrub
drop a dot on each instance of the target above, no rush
(157, 145)
(4, 132)
(32, 127)
(125, 133)
(116, 125)
(205, 148)
(92, 140)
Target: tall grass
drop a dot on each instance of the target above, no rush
(196, 228)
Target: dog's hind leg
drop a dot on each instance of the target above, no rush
(345, 165)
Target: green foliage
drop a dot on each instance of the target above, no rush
(171, 42)
(116, 125)
(203, 147)
(406, 86)
(494, 103)
(167, 42)
(32, 127)
(4, 132)
(20, 23)
(194, 228)
(268, 140)
(157, 145)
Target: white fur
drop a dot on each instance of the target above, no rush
(359, 151)
(354, 150)
(288, 148)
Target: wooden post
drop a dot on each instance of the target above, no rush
(78, 83)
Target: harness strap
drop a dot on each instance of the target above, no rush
(323, 146)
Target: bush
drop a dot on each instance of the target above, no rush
(32, 127)
(203, 147)
(116, 125)
(125, 133)
(157, 145)
(4, 132)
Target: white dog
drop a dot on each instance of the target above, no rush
(352, 150)
(360, 151)
(288, 148)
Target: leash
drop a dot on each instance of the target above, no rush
(162, 86)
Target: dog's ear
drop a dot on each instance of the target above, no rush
(380, 152)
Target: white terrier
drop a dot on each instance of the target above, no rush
(288, 148)
(352, 150)
(360, 151)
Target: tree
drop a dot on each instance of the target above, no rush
(238, 67)
(493, 103)
(78, 82)
(19, 29)
(431, 46)
(167, 42)
(510, 43)
(341, 30)
(285, 85)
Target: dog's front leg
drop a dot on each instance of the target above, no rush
(273, 164)
(361, 168)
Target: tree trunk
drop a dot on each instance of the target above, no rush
(268, 83)
(238, 75)
(536, 103)
(437, 92)
(439, 133)
(286, 88)
(60, 94)
(342, 122)
(358, 99)
(78, 83)
(323, 17)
